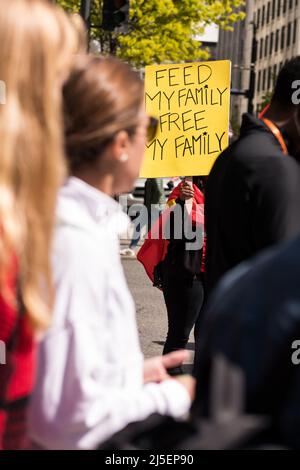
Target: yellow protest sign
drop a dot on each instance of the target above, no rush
(191, 102)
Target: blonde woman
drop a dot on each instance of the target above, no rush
(92, 377)
(37, 46)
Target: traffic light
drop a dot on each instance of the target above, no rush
(115, 14)
(85, 11)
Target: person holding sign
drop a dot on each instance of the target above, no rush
(172, 256)
(182, 268)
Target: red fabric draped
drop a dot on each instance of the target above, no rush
(155, 247)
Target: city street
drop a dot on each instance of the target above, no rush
(151, 310)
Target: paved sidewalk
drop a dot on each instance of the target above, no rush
(150, 306)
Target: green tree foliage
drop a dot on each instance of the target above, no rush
(70, 5)
(163, 30)
(265, 100)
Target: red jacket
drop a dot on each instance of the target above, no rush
(17, 374)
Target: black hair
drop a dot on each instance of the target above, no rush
(200, 182)
(289, 73)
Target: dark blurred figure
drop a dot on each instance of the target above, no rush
(253, 323)
(154, 202)
(253, 191)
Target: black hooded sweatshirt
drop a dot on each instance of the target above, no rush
(252, 199)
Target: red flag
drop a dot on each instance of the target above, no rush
(155, 247)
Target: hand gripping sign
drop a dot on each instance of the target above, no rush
(191, 102)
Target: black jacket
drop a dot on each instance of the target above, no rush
(252, 320)
(181, 262)
(252, 199)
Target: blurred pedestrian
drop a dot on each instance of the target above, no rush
(92, 378)
(154, 204)
(253, 190)
(37, 44)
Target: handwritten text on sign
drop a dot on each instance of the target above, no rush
(191, 102)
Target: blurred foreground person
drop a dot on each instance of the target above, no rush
(248, 371)
(37, 44)
(92, 377)
(253, 190)
(252, 324)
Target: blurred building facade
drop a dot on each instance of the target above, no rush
(278, 39)
(277, 24)
(236, 46)
(209, 39)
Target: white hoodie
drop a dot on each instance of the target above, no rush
(90, 366)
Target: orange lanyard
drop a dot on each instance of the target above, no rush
(277, 134)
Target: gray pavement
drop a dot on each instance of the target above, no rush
(150, 308)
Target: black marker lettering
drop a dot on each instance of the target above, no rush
(188, 147)
(204, 73)
(190, 96)
(221, 95)
(169, 98)
(173, 118)
(173, 76)
(178, 145)
(181, 95)
(199, 119)
(153, 98)
(157, 77)
(162, 148)
(220, 138)
(185, 120)
(212, 98)
(185, 75)
(153, 143)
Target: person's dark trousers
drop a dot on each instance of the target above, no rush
(183, 297)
